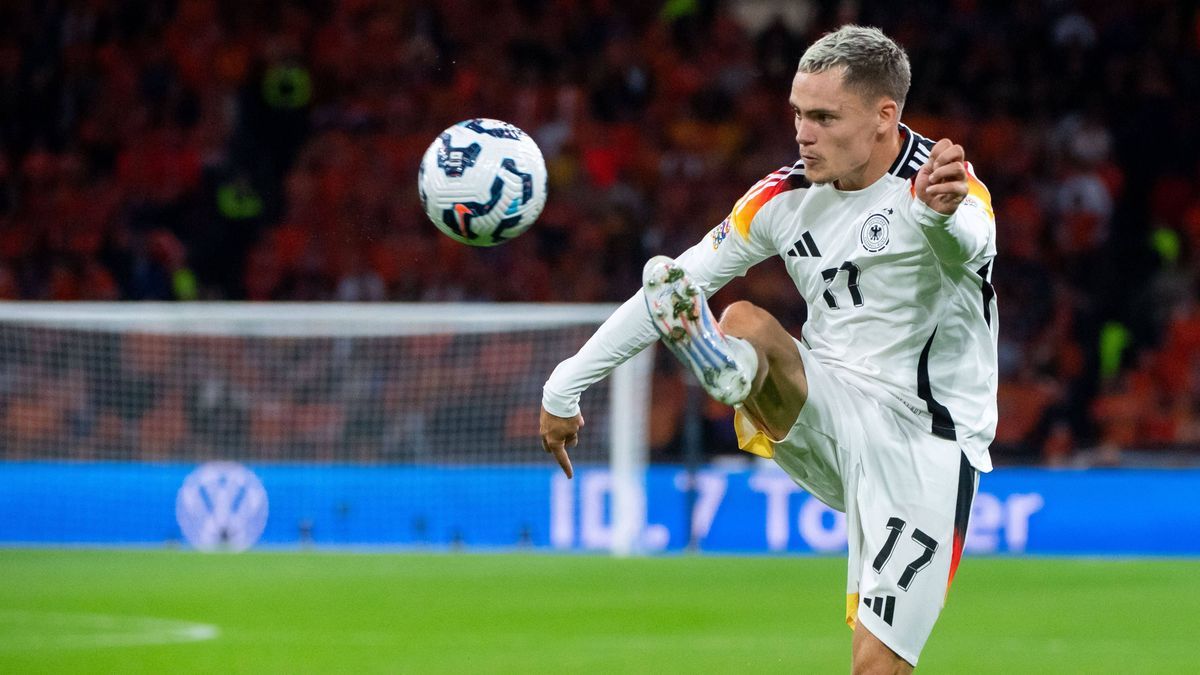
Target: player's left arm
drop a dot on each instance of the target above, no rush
(952, 205)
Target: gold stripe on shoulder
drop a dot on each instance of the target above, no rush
(979, 192)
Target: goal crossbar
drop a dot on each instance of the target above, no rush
(272, 319)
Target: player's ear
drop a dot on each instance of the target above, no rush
(888, 113)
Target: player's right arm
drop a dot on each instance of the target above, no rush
(729, 250)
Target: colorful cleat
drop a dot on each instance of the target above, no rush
(681, 315)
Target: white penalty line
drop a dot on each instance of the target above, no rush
(28, 629)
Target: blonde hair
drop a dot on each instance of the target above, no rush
(875, 65)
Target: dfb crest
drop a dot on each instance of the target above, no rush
(874, 235)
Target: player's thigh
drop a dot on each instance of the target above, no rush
(911, 500)
(820, 449)
(781, 387)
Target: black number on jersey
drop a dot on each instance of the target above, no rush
(928, 545)
(830, 275)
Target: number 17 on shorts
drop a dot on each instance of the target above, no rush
(908, 557)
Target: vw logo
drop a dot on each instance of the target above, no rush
(221, 506)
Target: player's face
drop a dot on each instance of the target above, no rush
(836, 128)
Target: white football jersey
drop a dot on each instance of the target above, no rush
(900, 303)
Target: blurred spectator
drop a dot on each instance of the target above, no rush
(202, 149)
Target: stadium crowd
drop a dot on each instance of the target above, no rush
(220, 149)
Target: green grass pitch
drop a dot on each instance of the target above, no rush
(81, 611)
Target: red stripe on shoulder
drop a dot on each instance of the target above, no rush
(776, 183)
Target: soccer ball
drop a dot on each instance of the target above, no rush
(482, 182)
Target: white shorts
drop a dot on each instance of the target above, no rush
(907, 497)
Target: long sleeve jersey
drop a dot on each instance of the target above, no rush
(900, 301)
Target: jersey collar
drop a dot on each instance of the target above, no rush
(914, 150)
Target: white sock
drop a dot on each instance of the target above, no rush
(745, 355)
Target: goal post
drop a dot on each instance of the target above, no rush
(389, 424)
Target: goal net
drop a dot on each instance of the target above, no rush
(231, 425)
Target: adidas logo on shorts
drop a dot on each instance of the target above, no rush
(884, 606)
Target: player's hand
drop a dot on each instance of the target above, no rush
(558, 434)
(942, 181)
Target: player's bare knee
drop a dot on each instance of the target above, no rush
(745, 319)
(750, 322)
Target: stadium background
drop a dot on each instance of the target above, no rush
(268, 151)
(261, 150)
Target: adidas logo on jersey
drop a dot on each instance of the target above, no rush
(884, 606)
(805, 247)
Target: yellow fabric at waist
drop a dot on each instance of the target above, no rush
(750, 438)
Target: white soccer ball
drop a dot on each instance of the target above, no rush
(482, 182)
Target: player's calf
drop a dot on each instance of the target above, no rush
(780, 388)
(725, 366)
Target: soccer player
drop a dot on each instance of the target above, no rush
(886, 406)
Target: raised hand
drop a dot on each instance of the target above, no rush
(942, 181)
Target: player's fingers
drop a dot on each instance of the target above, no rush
(948, 172)
(559, 450)
(572, 441)
(921, 181)
(944, 199)
(550, 441)
(950, 154)
(934, 160)
(564, 460)
(950, 187)
(938, 148)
